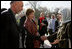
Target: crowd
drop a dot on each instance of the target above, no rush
(58, 28)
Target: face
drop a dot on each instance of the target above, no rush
(42, 14)
(18, 6)
(31, 16)
(47, 16)
(53, 17)
(59, 16)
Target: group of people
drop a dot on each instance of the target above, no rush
(48, 25)
(10, 30)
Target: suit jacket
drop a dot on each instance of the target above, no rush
(22, 20)
(9, 30)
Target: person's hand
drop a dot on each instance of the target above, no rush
(37, 34)
(42, 24)
(56, 41)
(43, 38)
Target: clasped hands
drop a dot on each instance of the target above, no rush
(42, 37)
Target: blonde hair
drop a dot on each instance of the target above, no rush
(41, 13)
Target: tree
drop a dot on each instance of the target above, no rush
(44, 9)
(56, 11)
(34, 5)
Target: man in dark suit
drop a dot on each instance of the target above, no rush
(9, 29)
(22, 29)
(3, 9)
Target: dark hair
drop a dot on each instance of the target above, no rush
(12, 2)
(3, 9)
(29, 11)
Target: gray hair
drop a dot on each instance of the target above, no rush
(52, 15)
(41, 13)
(12, 2)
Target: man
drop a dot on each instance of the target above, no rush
(48, 19)
(52, 24)
(9, 29)
(58, 22)
(22, 29)
(3, 9)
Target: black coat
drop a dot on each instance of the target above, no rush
(44, 28)
(22, 29)
(22, 20)
(9, 31)
(56, 25)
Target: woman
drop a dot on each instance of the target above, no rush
(33, 38)
(64, 31)
(41, 18)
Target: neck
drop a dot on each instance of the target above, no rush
(59, 19)
(13, 10)
(29, 18)
(52, 18)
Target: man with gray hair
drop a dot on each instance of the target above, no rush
(52, 24)
(9, 27)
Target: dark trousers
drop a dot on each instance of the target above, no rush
(23, 37)
(50, 31)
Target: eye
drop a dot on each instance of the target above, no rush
(22, 6)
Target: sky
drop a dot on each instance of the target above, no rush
(49, 4)
(54, 4)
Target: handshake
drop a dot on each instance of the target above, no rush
(43, 38)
